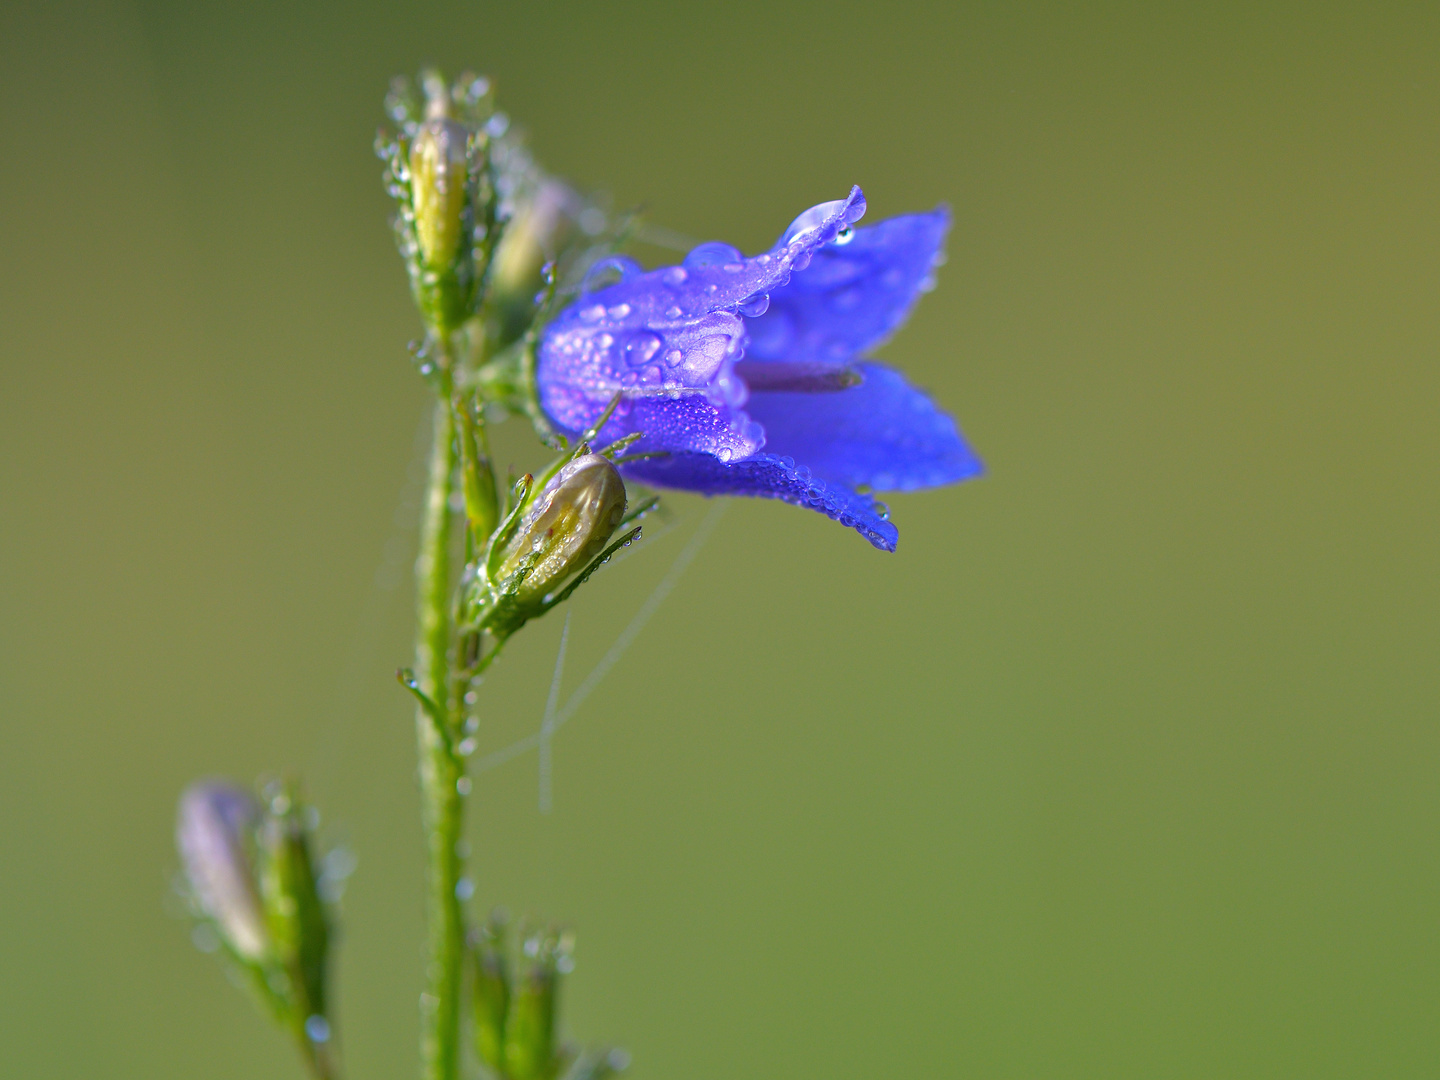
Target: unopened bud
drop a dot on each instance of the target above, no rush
(294, 912)
(543, 227)
(216, 837)
(567, 527)
(530, 1049)
(439, 173)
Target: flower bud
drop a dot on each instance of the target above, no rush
(566, 528)
(530, 1043)
(216, 837)
(544, 226)
(294, 912)
(439, 173)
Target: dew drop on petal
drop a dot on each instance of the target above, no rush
(755, 306)
(675, 275)
(609, 271)
(640, 348)
(714, 253)
(811, 220)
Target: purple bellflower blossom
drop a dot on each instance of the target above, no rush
(745, 375)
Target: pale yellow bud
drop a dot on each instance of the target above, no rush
(568, 526)
(439, 174)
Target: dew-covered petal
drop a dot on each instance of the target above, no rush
(770, 476)
(854, 294)
(884, 433)
(673, 336)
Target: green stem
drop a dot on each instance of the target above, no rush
(440, 768)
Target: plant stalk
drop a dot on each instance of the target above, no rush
(441, 768)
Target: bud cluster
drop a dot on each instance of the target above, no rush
(253, 880)
(515, 1001)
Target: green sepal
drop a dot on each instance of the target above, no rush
(490, 995)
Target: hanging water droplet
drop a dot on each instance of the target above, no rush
(317, 1029)
(755, 306)
(844, 236)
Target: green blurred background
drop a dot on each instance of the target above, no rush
(1124, 766)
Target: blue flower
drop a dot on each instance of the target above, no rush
(745, 374)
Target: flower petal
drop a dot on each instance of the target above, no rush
(853, 295)
(884, 433)
(774, 477)
(672, 336)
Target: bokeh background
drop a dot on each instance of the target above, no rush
(1124, 766)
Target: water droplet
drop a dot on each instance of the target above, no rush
(619, 311)
(724, 453)
(464, 889)
(640, 348)
(675, 275)
(811, 221)
(881, 511)
(594, 313)
(755, 306)
(673, 312)
(673, 357)
(463, 785)
(467, 746)
(845, 235)
(609, 271)
(714, 253)
(317, 1029)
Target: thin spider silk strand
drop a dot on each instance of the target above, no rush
(615, 652)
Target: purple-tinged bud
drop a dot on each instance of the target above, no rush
(216, 837)
(566, 528)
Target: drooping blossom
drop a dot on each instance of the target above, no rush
(747, 376)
